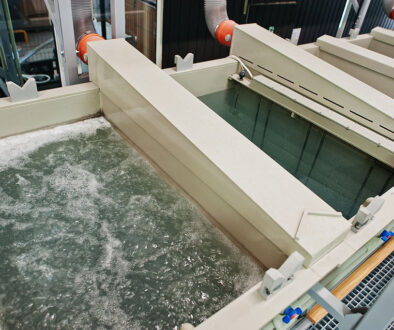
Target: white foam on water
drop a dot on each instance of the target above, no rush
(80, 188)
(35, 262)
(8, 206)
(2, 326)
(19, 146)
(110, 246)
(110, 241)
(104, 307)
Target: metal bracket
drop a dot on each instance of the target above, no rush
(275, 279)
(183, 64)
(26, 92)
(342, 313)
(367, 212)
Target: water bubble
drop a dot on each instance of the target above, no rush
(91, 235)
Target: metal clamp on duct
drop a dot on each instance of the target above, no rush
(366, 212)
(84, 30)
(218, 23)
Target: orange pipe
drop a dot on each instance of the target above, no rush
(83, 45)
(224, 32)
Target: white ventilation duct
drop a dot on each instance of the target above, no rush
(218, 23)
(388, 6)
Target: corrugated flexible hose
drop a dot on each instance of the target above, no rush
(84, 30)
(83, 20)
(388, 6)
(218, 23)
(215, 13)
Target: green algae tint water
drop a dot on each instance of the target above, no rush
(92, 238)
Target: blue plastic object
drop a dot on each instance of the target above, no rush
(286, 319)
(386, 235)
(298, 311)
(290, 314)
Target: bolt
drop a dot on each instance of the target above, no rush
(85, 57)
(227, 38)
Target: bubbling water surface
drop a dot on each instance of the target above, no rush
(92, 237)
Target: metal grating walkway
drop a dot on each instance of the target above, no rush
(365, 294)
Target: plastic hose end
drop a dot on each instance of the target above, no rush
(83, 45)
(224, 32)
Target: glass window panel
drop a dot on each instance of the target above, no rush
(29, 42)
(141, 26)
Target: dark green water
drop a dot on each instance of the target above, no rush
(92, 238)
(341, 175)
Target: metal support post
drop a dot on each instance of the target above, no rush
(355, 5)
(13, 55)
(103, 19)
(8, 68)
(159, 32)
(361, 15)
(345, 15)
(118, 19)
(60, 12)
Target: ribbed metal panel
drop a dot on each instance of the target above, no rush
(184, 28)
(376, 17)
(282, 17)
(319, 17)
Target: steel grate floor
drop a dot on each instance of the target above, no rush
(365, 294)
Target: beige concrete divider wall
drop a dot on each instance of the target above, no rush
(207, 77)
(374, 69)
(52, 107)
(306, 74)
(218, 75)
(368, 41)
(376, 80)
(382, 41)
(251, 312)
(243, 189)
(369, 57)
